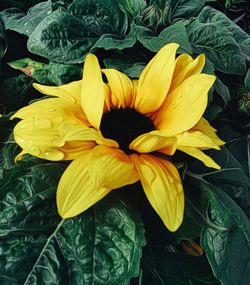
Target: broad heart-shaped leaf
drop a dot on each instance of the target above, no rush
(16, 20)
(210, 15)
(226, 236)
(217, 41)
(3, 41)
(184, 9)
(174, 33)
(101, 246)
(63, 37)
(100, 16)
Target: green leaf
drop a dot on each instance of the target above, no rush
(110, 41)
(227, 239)
(58, 73)
(100, 16)
(134, 7)
(174, 33)
(210, 15)
(130, 65)
(184, 9)
(51, 73)
(217, 41)
(78, 36)
(3, 41)
(16, 20)
(101, 246)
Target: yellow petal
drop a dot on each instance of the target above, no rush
(155, 80)
(49, 124)
(162, 185)
(195, 139)
(121, 88)
(55, 110)
(154, 141)
(111, 168)
(184, 107)
(91, 177)
(70, 92)
(185, 67)
(75, 149)
(92, 92)
(204, 127)
(207, 160)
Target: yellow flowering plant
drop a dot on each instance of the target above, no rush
(124, 142)
(123, 131)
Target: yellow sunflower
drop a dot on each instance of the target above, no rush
(115, 131)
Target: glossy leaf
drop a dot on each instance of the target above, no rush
(16, 20)
(226, 238)
(186, 9)
(63, 37)
(175, 33)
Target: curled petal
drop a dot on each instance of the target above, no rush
(162, 185)
(70, 92)
(186, 67)
(155, 80)
(154, 141)
(195, 152)
(204, 127)
(184, 107)
(91, 177)
(196, 139)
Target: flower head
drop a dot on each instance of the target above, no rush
(114, 131)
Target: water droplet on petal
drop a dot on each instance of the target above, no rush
(42, 123)
(34, 150)
(54, 155)
(57, 141)
(21, 140)
(171, 180)
(180, 96)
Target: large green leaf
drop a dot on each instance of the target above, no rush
(226, 236)
(174, 33)
(3, 41)
(210, 15)
(101, 246)
(184, 9)
(16, 20)
(63, 37)
(217, 41)
(100, 16)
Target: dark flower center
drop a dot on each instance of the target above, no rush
(124, 125)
